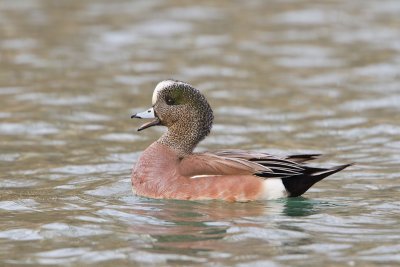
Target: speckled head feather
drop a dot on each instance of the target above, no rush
(186, 113)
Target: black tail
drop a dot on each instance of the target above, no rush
(297, 185)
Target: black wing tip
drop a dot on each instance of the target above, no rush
(306, 155)
(300, 158)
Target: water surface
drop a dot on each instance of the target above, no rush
(282, 77)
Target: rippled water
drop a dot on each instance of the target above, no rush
(282, 77)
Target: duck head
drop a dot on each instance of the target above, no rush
(183, 110)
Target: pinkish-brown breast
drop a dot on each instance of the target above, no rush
(157, 175)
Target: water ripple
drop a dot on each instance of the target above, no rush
(282, 77)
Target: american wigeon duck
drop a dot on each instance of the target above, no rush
(168, 168)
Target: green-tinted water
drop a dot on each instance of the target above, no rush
(282, 77)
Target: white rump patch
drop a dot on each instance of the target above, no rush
(273, 188)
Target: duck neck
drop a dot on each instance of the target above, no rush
(184, 138)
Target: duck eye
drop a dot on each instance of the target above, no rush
(170, 101)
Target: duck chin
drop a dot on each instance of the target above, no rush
(154, 122)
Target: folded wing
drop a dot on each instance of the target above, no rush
(296, 177)
(241, 162)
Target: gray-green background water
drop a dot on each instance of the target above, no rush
(282, 76)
